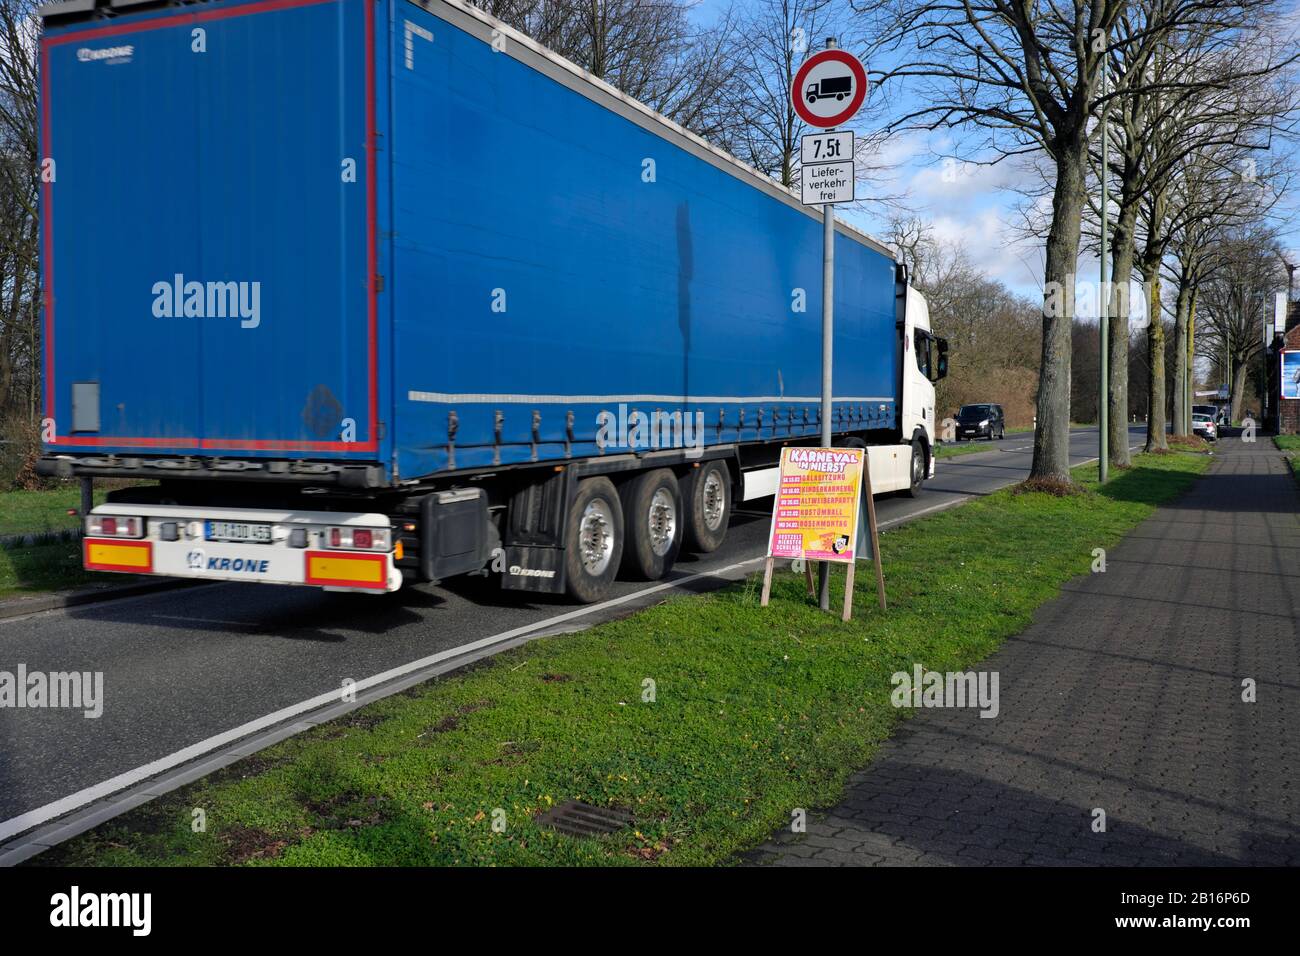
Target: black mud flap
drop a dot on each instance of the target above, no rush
(534, 535)
(540, 570)
(455, 533)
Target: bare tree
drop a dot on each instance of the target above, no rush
(1209, 201)
(19, 264)
(648, 49)
(1024, 76)
(1216, 190)
(1191, 77)
(772, 41)
(1235, 302)
(913, 238)
(991, 331)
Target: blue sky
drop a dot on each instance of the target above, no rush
(973, 204)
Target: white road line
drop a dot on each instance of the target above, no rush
(50, 811)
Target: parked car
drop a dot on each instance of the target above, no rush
(980, 421)
(1204, 426)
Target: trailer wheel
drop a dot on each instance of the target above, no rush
(593, 540)
(918, 469)
(652, 504)
(706, 507)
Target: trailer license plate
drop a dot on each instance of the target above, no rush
(238, 531)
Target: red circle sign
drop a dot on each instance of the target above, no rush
(829, 88)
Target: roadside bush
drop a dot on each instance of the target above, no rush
(20, 446)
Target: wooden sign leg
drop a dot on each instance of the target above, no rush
(848, 593)
(767, 583)
(875, 538)
(808, 576)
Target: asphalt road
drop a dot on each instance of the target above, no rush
(181, 667)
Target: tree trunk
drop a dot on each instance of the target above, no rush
(1121, 272)
(1241, 365)
(1182, 314)
(1155, 359)
(1052, 437)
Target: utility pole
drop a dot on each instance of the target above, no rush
(828, 349)
(1263, 363)
(1103, 386)
(1191, 361)
(1227, 364)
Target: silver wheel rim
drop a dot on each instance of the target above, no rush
(662, 521)
(596, 537)
(715, 501)
(916, 468)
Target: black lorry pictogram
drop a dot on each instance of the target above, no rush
(836, 86)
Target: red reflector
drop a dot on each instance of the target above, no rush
(335, 538)
(109, 525)
(362, 539)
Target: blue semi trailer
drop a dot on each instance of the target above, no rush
(380, 290)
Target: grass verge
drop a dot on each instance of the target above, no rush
(40, 512)
(53, 561)
(27, 512)
(1287, 442)
(49, 566)
(1291, 445)
(951, 449)
(755, 711)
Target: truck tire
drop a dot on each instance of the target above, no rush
(706, 507)
(917, 470)
(593, 540)
(652, 509)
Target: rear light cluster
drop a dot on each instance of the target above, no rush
(359, 539)
(114, 526)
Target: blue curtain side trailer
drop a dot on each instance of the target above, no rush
(381, 289)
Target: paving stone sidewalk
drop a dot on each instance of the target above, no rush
(1126, 695)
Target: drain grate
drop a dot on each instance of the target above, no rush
(577, 819)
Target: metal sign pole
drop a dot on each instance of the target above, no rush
(828, 345)
(1103, 385)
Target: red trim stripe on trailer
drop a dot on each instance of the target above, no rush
(248, 444)
(372, 253)
(47, 244)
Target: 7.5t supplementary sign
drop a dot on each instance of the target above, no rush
(822, 183)
(826, 147)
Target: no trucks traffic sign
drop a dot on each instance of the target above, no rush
(829, 88)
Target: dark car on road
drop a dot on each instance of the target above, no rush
(980, 421)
